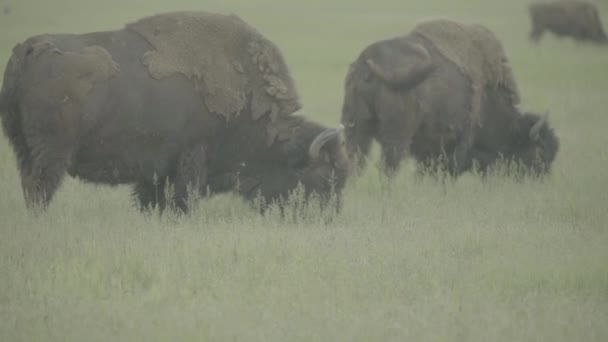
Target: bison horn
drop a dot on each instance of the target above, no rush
(535, 130)
(406, 75)
(322, 139)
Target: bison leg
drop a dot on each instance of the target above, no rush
(392, 155)
(395, 136)
(151, 195)
(190, 177)
(536, 32)
(428, 166)
(42, 174)
(483, 159)
(460, 160)
(359, 138)
(47, 142)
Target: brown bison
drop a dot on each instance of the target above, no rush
(194, 100)
(444, 94)
(577, 19)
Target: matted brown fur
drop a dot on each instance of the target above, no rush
(227, 59)
(477, 52)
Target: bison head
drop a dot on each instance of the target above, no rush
(300, 153)
(533, 143)
(384, 71)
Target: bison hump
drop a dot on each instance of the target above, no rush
(227, 60)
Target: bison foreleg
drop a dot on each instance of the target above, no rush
(483, 160)
(359, 138)
(392, 155)
(460, 160)
(190, 177)
(151, 195)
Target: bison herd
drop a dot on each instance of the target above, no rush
(204, 102)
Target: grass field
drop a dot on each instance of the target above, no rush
(473, 260)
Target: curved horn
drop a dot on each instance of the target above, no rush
(535, 130)
(323, 138)
(406, 74)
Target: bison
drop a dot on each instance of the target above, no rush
(198, 101)
(577, 19)
(443, 93)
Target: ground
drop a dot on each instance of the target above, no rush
(493, 260)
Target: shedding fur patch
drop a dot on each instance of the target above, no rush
(227, 60)
(477, 52)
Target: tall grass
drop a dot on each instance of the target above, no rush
(476, 259)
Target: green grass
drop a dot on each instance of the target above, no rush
(473, 260)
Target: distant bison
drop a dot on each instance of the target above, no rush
(444, 94)
(189, 99)
(577, 19)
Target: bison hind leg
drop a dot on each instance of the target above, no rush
(41, 175)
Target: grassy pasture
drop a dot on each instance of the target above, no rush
(473, 260)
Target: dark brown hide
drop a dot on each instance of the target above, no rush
(112, 123)
(579, 20)
(431, 120)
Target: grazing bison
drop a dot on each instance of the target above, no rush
(577, 19)
(444, 94)
(187, 99)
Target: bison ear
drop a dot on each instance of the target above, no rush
(400, 63)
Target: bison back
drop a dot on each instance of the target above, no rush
(227, 59)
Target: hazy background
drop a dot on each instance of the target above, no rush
(492, 260)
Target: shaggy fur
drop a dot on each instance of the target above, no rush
(477, 52)
(226, 58)
(573, 18)
(86, 105)
(415, 98)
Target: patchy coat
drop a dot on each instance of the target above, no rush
(415, 100)
(86, 105)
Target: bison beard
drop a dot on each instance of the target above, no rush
(444, 94)
(86, 105)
